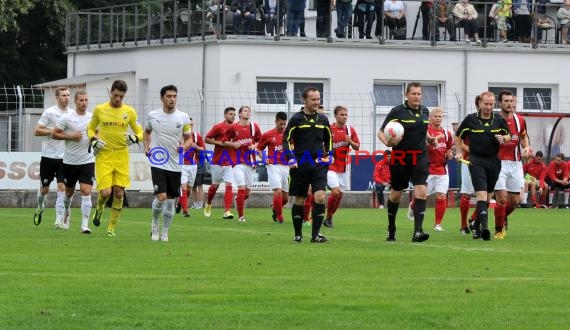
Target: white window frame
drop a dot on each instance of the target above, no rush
(289, 93)
(520, 88)
(385, 109)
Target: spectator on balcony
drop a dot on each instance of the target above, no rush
(504, 11)
(295, 16)
(523, 20)
(244, 10)
(364, 12)
(563, 16)
(323, 21)
(343, 17)
(274, 12)
(395, 13)
(466, 16)
(444, 18)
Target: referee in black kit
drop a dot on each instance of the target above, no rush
(308, 139)
(409, 160)
(485, 133)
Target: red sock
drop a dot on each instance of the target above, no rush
(330, 205)
(247, 190)
(240, 201)
(307, 208)
(464, 210)
(184, 201)
(211, 193)
(278, 206)
(499, 216)
(474, 215)
(284, 201)
(228, 195)
(440, 206)
(508, 210)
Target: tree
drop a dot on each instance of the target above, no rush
(10, 10)
(33, 43)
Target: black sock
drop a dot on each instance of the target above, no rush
(392, 211)
(318, 214)
(297, 214)
(482, 214)
(419, 210)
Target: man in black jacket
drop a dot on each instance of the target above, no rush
(307, 142)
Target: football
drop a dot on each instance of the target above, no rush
(394, 130)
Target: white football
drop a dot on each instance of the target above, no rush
(394, 130)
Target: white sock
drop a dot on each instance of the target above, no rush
(67, 201)
(167, 215)
(157, 208)
(86, 206)
(41, 198)
(566, 195)
(59, 207)
(525, 198)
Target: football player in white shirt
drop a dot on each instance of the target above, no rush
(164, 129)
(78, 161)
(51, 164)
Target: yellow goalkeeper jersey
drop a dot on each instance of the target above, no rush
(112, 125)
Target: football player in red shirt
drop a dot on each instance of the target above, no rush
(511, 178)
(243, 136)
(277, 168)
(344, 139)
(439, 151)
(535, 174)
(222, 163)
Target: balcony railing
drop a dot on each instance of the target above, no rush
(180, 21)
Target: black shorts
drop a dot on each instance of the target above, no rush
(50, 168)
(307, 174)
(166, 182)
(556, 185)
(84, 173)
(199, 179)
(409, 169)
(484, 172)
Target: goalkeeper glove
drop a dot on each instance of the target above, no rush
(132, 139)
(96, 145)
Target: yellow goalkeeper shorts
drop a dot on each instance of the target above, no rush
(112, 168)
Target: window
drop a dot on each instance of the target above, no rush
(533, 98)
(537, 99)
(389, 95)
(271, 92)
(275, 95)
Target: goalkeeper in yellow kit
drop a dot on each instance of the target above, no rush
(108, 132)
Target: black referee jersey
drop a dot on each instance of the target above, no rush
(307, 135)
(415, 122)
(481, 133)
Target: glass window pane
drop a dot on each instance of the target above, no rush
(271, 92)
(537, 99)
(298, 88)
(430, 96)
(388, 95)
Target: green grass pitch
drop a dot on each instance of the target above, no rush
(216, 274)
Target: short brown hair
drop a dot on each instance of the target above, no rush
(79, 93)
(413, 84)
(338, 108)
(120, 85)
(59, 90)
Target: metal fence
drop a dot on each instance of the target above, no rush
(18, 106)
(174, 21)
(20, 112)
